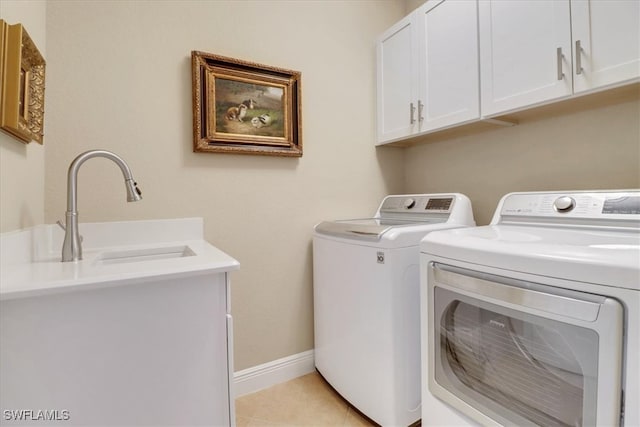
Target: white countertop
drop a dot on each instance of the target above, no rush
(114, 254)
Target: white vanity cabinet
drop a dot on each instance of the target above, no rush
(427, 67)
(533, 52)
(137, 333)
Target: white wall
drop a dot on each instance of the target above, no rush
(22, 166)
(119, 78)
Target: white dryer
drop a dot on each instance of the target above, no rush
(367, 306)
(535, 318)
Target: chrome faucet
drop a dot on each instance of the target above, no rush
(72, 247)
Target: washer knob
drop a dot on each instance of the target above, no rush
(564, 204)
(409, 203)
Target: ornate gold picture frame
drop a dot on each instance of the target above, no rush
(22, 71)
(245, 108)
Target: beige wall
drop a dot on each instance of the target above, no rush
(22, 166)
(119, 78)
(585, 144)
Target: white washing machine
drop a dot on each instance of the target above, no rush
(366, 302)
(535, 319)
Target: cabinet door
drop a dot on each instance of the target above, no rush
(449, 85)
(396, 82)
(525, 53)
(606, 37)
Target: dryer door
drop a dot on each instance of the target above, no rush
(524, 353)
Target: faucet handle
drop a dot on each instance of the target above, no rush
(61, 225)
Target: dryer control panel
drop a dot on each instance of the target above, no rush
(578, 207)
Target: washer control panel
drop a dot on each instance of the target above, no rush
(587, 205)
(417, 204)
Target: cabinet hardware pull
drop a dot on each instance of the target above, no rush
(578, 57)
(420, 108)
(560, 56)
(412, 110)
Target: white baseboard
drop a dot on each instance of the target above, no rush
(271, 373)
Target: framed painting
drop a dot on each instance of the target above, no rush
(22, 72)
(245, 108)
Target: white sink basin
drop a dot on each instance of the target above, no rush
(147, 254)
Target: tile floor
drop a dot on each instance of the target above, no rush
(303, 401)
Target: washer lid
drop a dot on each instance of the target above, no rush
(371, 229)
(606, 257)
(404, 219)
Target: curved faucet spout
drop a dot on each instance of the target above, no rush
(72, 248)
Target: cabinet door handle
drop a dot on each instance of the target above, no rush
(559, 56)
(412, 110)
(420, 109)
(578, 57)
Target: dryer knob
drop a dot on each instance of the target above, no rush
(564, 204)
(409, 203)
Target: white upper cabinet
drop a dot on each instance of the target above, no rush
(537, 51)
(606, 42)
(396, 82)
(449, 83)
(427, 68)
(525, 53)
(452, 62)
